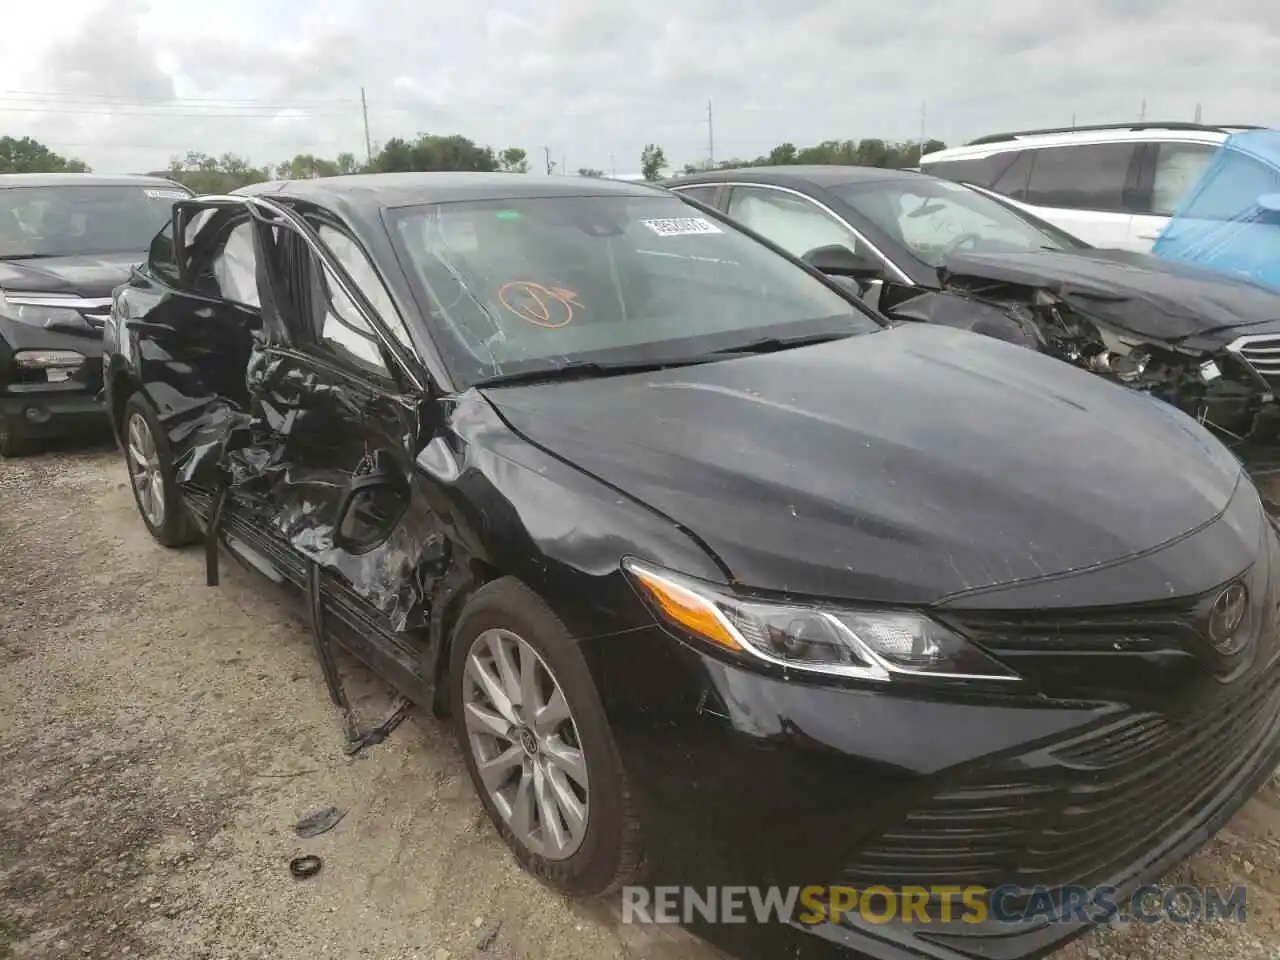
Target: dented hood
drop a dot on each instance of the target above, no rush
(1146, 296)
(901, 466)
(92, 275)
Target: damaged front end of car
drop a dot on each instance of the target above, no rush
(1204, 343)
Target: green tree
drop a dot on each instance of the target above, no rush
(306, 167)
(514, 160)
(652, 162)
(590, 172)
(206, 174)
(781, 154)
(346, 164)
(32, 156)
(430, 152)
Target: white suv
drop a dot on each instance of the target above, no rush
(1112, 186)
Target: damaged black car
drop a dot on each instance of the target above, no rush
(720, 579)
(925, 249)
(66, 240)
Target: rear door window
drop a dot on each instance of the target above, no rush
(1013, 182)
(982, 172)
(1177, 168)
(1090, 176)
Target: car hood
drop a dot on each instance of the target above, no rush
(902, 466)
(1136, 293)
(93, 275)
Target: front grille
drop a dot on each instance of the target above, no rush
(1139, 629)
(1262, 353)
(1076, 812)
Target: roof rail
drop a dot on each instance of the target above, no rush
(1143, 125)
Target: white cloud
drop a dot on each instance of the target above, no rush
(126, 84)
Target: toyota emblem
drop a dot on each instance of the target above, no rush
(1226, 618)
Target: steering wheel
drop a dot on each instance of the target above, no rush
(960, 241)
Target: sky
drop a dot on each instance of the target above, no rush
(127, 84)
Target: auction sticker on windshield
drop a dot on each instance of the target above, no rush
(165, 194)
(681, 226)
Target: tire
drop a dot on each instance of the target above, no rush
(608, 853)
(174, 528)
(14, 444)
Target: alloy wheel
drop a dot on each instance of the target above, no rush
(525, 743)
(144, 470)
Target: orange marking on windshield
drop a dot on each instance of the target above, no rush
(538, 304)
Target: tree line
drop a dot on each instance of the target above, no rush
(205, 173)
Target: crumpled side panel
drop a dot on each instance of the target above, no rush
(1221, 224)
(287, 460)
(1132, 292)
(1008, 321)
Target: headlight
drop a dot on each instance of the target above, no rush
(833, 640)
(57, 366)
(38, 309)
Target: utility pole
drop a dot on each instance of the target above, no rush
(1073, 119)
(547, 153)
(368, 144)
(564, 164)
(711, 138)
(922, 119)
(1143, 114)
(1197, 113)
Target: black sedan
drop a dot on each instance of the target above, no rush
(721, 580)
(66, 240)
(925, 249)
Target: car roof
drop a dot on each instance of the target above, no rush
(1067, 136)
(820, 175)
(375, 191)
(10, 180)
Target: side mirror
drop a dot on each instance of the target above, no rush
(837, 260)
(370, 508)
(1270, 202)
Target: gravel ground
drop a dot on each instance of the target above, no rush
(159, 738)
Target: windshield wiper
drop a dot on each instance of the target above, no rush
(29, 256)
(770, 344)
(585, 369)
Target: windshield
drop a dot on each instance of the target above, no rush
(520, 286)
(68, 221)
(935, 218)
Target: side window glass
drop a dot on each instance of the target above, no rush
(1178, 167)
(703, 194)
(365, 276)
(980, 172)
(344, 330)
(162, 260)
(791, 222)
(234, 267)
(1085, 177)
(1013, 182)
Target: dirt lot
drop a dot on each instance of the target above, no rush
(159, 738)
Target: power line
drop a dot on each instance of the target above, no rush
(114, 110)
(90, 97)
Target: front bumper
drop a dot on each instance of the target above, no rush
(42, 410)
(48, 414)
(749, 780)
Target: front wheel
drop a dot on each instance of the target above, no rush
(537, 744)
(152, 476)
